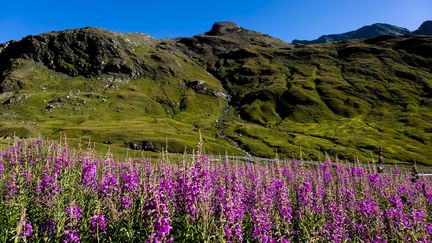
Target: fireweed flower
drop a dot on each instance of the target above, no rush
(26, 229)
(71, 236)
(189, 192)
(89, 176)
(288, 174)
(167, 186)
(109, 184)
(98, 221)
(417, 216)
(304, 194)
(261, 215)
(325, 169)
(403, 190)
(130, 182)
(125, 201)
(11, 188)
(26, 174)
(162, 227)
(368, 207)
(48, 228)
(369, 221)
(428, 227)
(158, 210)
(397, 218)
(97, 224)
(1, 168)
(74, 212)
(335, 227)
(233, 213)
(375, 180)
(396, 172)
(427, 192)
(48, 185)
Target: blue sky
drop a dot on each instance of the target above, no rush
(284, 19)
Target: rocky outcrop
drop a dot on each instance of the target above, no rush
(86, 51)
(221, 28)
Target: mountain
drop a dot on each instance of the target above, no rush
(364, 32)
(244, 90)
(424, 29)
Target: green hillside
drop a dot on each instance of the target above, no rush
(239, 87)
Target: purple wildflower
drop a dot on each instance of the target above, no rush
(428, 228)
(74, 212)
(48, 185)
(89, 176)
(11, 187)
(48, 228)
(126, 202)
(130, 182)
(71, 236)
(97, 224)
(26, 229)
(162, 227)
(109, 184)
(368, 207)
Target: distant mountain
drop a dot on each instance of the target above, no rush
(244, 90)
(365, 32)
(424, 29)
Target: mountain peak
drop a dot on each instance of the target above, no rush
(425, 28)
(224, 27)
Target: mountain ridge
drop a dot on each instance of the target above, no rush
(370, 31)
(246, 91)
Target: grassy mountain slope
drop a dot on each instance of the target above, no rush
(238, 86)
(121, 89)
(346, 98)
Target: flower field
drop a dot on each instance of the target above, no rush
(50, 194)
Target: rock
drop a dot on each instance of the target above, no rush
(17, 99)
(224, 27)
(10, 84)
(150, 146)
(144, 145)
(201, 87)
(157, 58)
(134, 146)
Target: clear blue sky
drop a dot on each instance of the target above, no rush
(284, 19)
